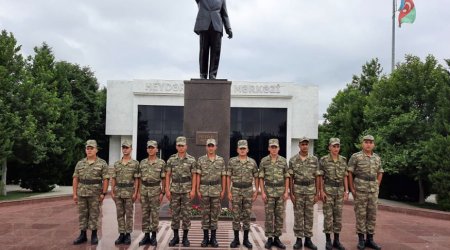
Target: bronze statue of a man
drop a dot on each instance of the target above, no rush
(211, 18)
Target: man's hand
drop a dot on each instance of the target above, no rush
(75, 198)
(192, 195)
(316, 198)
(264, 197)
(354, 193)
(285, 196)
(230, 197)
(161, 196)
(199, 195)
(101, 198)
(293, 198)
(139, 197)
(229, 33)
(255, 196)
(134, 197)
(345, 196)
(222, 195)
(323, 196)
(168, 195)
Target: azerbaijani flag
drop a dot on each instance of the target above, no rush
(407, 12)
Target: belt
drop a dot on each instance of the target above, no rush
(90, 182)
(211, 183)
(124, 185)
(151, 184)
(274, 184)
(242, 184)
(332, 183)
(366, 177)
(304, 182)
(182, 179)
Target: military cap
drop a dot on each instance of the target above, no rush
(334, 141)
(181, 140)
(211, 141)
(368, 138)
(304, 138)
(242, 144)
(126, 143)
(152, 143)
(274, 142)
(91, 143)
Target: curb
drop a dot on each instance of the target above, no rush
(35, 200)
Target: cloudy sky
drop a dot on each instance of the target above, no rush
(321, 42)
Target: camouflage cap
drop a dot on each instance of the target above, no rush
(242, 144)
(334, 141)
(152, 143)
(211, 141)
(91, 143)
(126, 143)
(181, 140)
(274, 142)
(368, 138)
(304, 138)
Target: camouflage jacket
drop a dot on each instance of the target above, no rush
(304, 174)
(334, 173)
(90, 176)
(151, 174)
(274, 175)
(211, 173)
(124, 175)
(182, 170)
(365, 170)
(242, 173)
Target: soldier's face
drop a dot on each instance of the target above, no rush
(368, 145)
(91, 151)
(334, 149)
(242, 151)
(304, 147)
(126, 150)
(181, 148)
(151, 151)
(274, 150)
(211, 148)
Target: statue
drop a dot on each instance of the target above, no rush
(211, 18)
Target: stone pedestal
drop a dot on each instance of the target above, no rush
(207, 115)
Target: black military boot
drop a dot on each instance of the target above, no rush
(127, 239)
(185, 240)
(213, 241)
(94, 238)
(328, 245)
(175, 240)
(81, 239)
(298, 243)
(277, 243)
(235, 243)
(246, 242)
(205, 240)
(309, 244)
(361, 243)
(153, 240)
(269, 243)
(120, 239)
(370, 243)
(336, 243)
(146, 240)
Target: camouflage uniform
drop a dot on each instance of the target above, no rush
(181, 184)
(334, 173)
(152, 172)
(211, 173)
(124, 174)
(365, 170)
(274, 175)
(242, 173)
(90, 177)
(304, 173)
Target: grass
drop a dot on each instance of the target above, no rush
(17, 195)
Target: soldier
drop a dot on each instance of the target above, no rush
(90, 186)
(274, 182)
(305, 188)
(152, 186)
(333, 191)
(180, 177)
(211, 182)
(366, 167)
(242, 170)
(124, 191)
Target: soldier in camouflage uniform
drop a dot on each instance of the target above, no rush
(305, 188)
(366, 167)
(334, 190)
(152, 186)
(124, 191)
(90, 185)
(241, 171)
(210, 184)
(180, 177)
(274, 182)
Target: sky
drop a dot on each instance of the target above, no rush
(321, 42)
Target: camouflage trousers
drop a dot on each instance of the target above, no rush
(210, 207)
(366, 212)
(124, 208)
(89, 212)
(303, 215)
(181, 207)
(242, 209)
(332, 213)
(274, 210)
(150, 213)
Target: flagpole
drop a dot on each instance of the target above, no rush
(394, 7)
